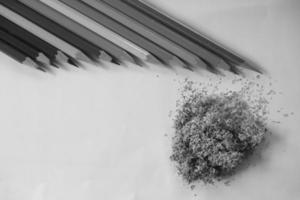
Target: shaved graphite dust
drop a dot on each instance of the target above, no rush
(215, 133)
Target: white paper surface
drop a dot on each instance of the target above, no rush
(99, 133)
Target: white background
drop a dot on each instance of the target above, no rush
(99, 132)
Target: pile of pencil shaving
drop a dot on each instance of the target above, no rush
(43, 33)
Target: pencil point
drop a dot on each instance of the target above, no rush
(116, 61)
(55, 63)
(235, 70)
(105, 56)
(251, 66)
(224, 65)
(30, 62)
(126, 57)
(197, 62)
(73, 62)
(81, 56)
(175, 61)
(213, 69)
(42, 66)
(43, 59)
(61, 57)
(210, 67)
(153, 60)
(202, 63)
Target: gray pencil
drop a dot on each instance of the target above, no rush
(108, 49)
(73, 12)
(43, 34)
(122, 30)
(159, 28)
(18, 55)
(175, 49)
(190, 33)
(32, 52)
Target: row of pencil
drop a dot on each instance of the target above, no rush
(43, 33)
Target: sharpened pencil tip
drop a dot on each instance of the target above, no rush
(81, 56)
(201, 63)
(116, 61)
(213, 69)
(235, 70)
(61, 58)
(126, 57)
(229, 66)
(252, 66)
(153, 60)
(30, 62)
(55, 64)
(210, 67)
(175, 61)
(74, 62)
(43, 59)
(105, 57)
(42, 67)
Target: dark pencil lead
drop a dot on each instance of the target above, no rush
(95, 59)
(154, 60)
(41, 69)
(55, 64)
(211, 68)
(116, 61)
(41, 66)
(175, 61)
(83, 57)
(126, 57)
(90, 58)
(252, 66)
(136, 60)
(188, 67)
(233, 68)
(163, 62)
(74, 62)
(185, 65)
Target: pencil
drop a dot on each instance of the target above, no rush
(211, 59)
(108, 49)
(71, 10)
(162, 55)
(18, 56)
(66, 22)
(27, 49)
(43, 34)
(89, 50)
(55, 55)
(189, 33)
(112, 11)
(109, 52)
